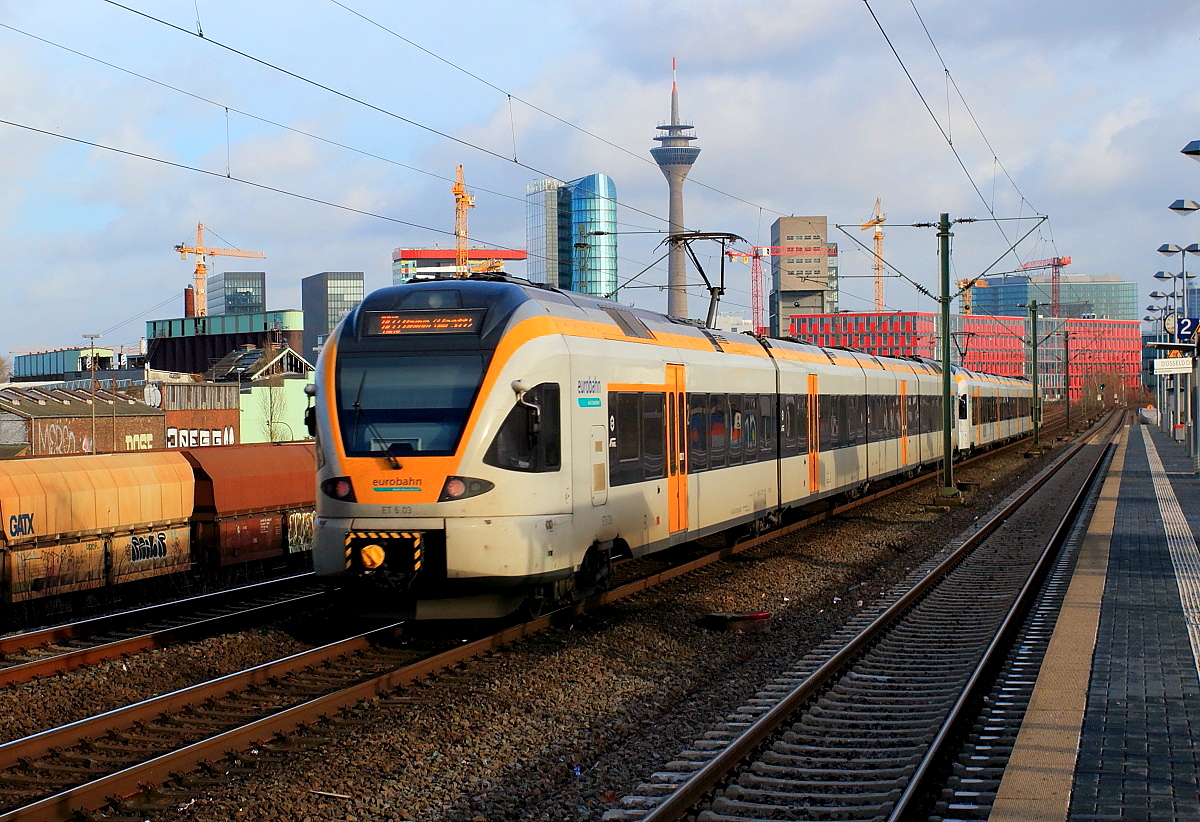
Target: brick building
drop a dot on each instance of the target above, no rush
(43, 421)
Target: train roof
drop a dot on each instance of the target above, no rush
(507, 298)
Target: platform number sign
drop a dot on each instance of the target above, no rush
(1185, 328)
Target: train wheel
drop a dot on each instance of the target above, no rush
(595, 572)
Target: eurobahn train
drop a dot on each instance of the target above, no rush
(71, 524)
(485, 442)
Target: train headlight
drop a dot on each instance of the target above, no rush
(372, 556)
(339, 488)
(457, 488)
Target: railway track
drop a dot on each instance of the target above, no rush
(84, 765)
(861, 728)
(49, 651)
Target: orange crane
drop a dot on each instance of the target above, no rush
(462, 202)
(967, 286)
(1055, 264)
(202, 251)
(754, 256)
(876, 222)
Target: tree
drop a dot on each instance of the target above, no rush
(5, 369)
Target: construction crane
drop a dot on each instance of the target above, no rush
(202, 252)
(462, 202)
(876, 222)
(1055, 264)
(754, 257)
(967, 286)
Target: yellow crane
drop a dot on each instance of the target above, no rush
(202, 252)
(967, 286)
(876, 222)
(462, 202)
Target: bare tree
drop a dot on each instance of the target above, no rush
(5, 369)
(273, 402)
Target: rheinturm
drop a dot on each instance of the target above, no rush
(675, 156)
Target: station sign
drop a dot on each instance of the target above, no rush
(1173, 365)
(1185, 328)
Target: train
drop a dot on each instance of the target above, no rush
(487, 444)
(74, 524)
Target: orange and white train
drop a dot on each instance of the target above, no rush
(485, 443)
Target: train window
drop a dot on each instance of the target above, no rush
(716, 430)
(801, 411)
(768, 427)
(962, 406)
(653, 428)
(405, 406)
(625, 437)
(790, 427)
(697, 432)
(626, 431)
(737, 432)
(525, 442)
(856, 420)
(750, 433)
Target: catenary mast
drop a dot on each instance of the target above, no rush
(675, 156)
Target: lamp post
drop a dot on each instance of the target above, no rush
(1183, 207)
(1169, 320)
(91, 338)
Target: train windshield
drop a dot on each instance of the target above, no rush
(405, 405)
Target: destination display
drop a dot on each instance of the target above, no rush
(384, 323)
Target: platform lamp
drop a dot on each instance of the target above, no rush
(1183, 207)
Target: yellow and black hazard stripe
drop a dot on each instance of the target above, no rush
(413, 537)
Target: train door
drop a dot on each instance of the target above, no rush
(599, 457)
(904, 422)
(814, 436)
(677, 450)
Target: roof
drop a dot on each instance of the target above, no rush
(473, 254)
(254, 477)
(80, 494)
(250, 363)
(52, 403)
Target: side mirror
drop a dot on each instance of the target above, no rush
(310, 420)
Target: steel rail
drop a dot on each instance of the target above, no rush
(992, 657)
(677, 804)
(186, 632)
(29, 640)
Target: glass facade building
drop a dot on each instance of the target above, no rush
(236, 292)
(572, 234)
(1103, 297)
(325, 298)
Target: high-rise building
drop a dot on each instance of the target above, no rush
(325, 298)
(675, 155)
(572, 234)
(1081, 296)
(804, 270)
(237, 292)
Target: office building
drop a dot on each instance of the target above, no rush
(325, 298)
(804, 270)
(572, 234)
(1081, 296)
(1084, 352)
(237, 292)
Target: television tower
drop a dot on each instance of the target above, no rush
(675, 156)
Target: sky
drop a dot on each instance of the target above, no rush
(327, 133)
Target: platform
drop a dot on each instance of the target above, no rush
(1113, 726)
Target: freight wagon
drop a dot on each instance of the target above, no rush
(78, 523)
